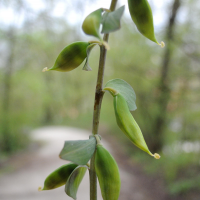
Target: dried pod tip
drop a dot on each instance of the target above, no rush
(156, 156)
(45, 69)
(40, 189)
(162, 44)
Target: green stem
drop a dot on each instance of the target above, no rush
(97, 108)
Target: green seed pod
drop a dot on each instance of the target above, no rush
(107, 173)
(128, 125)
(92, 23)
(58, 177)
(70, 57)
(141, 14)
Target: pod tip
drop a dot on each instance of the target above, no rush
(162, 44)
(45, 69)
(156, 156)
(39, 188)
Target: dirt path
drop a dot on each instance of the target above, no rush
(22, 183)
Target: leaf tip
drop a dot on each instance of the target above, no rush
(45, 69)
(156, 156)
(162, 44)
(40, 189)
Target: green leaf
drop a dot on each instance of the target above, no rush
(58, 177)
(142, 16)
(74, 181)
(122, 87)
(70, 57)
(78, 151)
(111, 20)
(86, 66)
(92, 23)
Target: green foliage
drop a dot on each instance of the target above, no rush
(142, 16)
(128, 125)
(58, 177)
(107, 173)
(74, 181)
(87, 67)
(92, 22)
(111, 21)
(70, 57)
(120, 86)
(78, 151)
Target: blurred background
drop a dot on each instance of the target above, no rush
(166, 82)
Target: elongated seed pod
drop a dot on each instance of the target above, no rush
(92, 23)
(107, 173)
(141, 14)
(128, 125)
(58, 177)
(71, 57)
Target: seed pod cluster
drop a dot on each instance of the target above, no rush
(128, 125)
(107, 173)
(71, 57)
(141, 14)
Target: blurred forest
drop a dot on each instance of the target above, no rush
(166, 82)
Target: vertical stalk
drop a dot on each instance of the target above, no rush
(97, 108)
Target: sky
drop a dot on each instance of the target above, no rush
(8, 16)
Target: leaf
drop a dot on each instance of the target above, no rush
(86, 66)
(70, 57)
(92, 23)
(74, 181)
(78, 151)
(122, 87)
(58, 177)
(111, 20)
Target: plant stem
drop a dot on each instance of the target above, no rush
(97, 108)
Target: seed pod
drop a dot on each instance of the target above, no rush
(71, 57)
(128, 125)
(107, 173)
(58, 177)
(92, 23)
(141, 14)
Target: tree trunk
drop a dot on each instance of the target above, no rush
(6, 102)
(164, 90)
